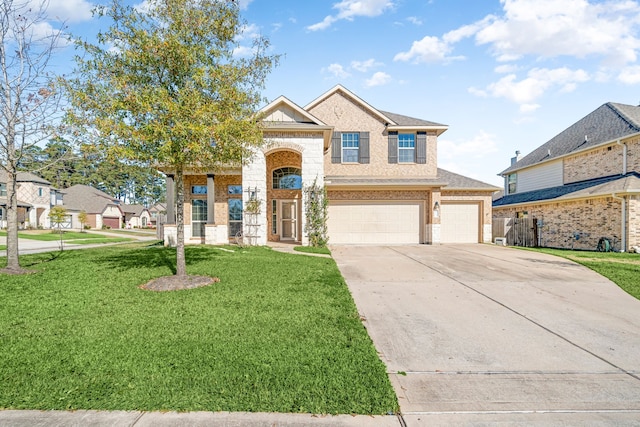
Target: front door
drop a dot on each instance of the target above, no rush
(289, 220)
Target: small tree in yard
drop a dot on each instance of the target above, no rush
(82, 217)
(316, 206)
(163, 85)
(58, 216)
(28, 98)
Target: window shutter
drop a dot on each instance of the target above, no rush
(421, 148)
(363, 152)
(393, 147)
(336, 147)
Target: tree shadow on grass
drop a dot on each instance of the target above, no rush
(155, 257)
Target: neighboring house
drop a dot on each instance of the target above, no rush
(583, 184)
(35, 199)
(158, 214)
(136, 216)
(102, 209)
(379, 168)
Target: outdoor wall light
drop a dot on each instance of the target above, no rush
(436, 210)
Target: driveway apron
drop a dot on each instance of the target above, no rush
(494, 331)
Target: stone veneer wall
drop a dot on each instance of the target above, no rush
(587, 219)
(341, 111)
(276, 160)
(600, 162)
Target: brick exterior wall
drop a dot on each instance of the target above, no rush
(221, 207)
(577, 224)
(346, 115)
(600, 162)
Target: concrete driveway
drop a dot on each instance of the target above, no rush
(488, 334)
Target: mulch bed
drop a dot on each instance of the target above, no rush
(176, 283)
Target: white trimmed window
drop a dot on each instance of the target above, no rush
(406, 148)
(350, 147)
(512, 181)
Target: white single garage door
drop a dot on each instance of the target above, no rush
(360, 222)
(459, 223)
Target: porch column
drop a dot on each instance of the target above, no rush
(211, 199)
(171, 202)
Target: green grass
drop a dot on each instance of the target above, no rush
(622, 269)
(3, 247)
(312, 250)
(68, 236)
(279, 332)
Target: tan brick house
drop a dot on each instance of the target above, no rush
(583, 184)
(379, 168)
(35, 197)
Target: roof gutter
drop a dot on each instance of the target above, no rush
(623, 244)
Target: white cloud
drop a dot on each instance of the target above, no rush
(630, 75)
(529, 108)
(429, 49)
(338, 71)
(67, 10)
(378, 79)
(349, 9)
(537, 82)
(576, 28)
(415, 20)
(244, 3)
(506, 68)
(481, 145)
(364, 66)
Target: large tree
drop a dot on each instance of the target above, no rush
(28, 99)
(163, 84)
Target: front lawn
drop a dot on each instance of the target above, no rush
(74, 237)
(279, 332)
(621, 268)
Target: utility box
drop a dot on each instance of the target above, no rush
(500, 241)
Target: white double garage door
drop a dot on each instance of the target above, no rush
(399, 222)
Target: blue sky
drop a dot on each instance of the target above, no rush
(504, 75)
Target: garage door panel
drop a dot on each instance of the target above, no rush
(459, 223)
(374, 222)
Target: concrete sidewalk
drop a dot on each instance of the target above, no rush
(32, 418)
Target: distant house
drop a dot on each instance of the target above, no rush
(136, 216)
(102, 209)
(581, 185)
(158, 213)
(35, 199)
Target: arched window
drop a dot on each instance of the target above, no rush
(287, 179)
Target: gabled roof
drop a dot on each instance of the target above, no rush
(604, 186)
(392, 120)
(133, 209)
(91, 200)
(606, 124)
(24, 177)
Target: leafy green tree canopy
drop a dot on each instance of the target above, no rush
(164, 85)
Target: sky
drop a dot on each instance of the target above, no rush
(504, 75)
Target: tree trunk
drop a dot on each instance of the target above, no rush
(181, 266)
(13, 260)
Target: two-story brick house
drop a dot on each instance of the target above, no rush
(379, 168)
(583, 184)
(35, 199)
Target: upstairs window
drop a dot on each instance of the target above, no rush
(350, 147)
(287, 179)
(512, 180)
(198, 189)
(3, 190)
(406, 148)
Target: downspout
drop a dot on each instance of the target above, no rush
(623, 241)
(624, 156)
